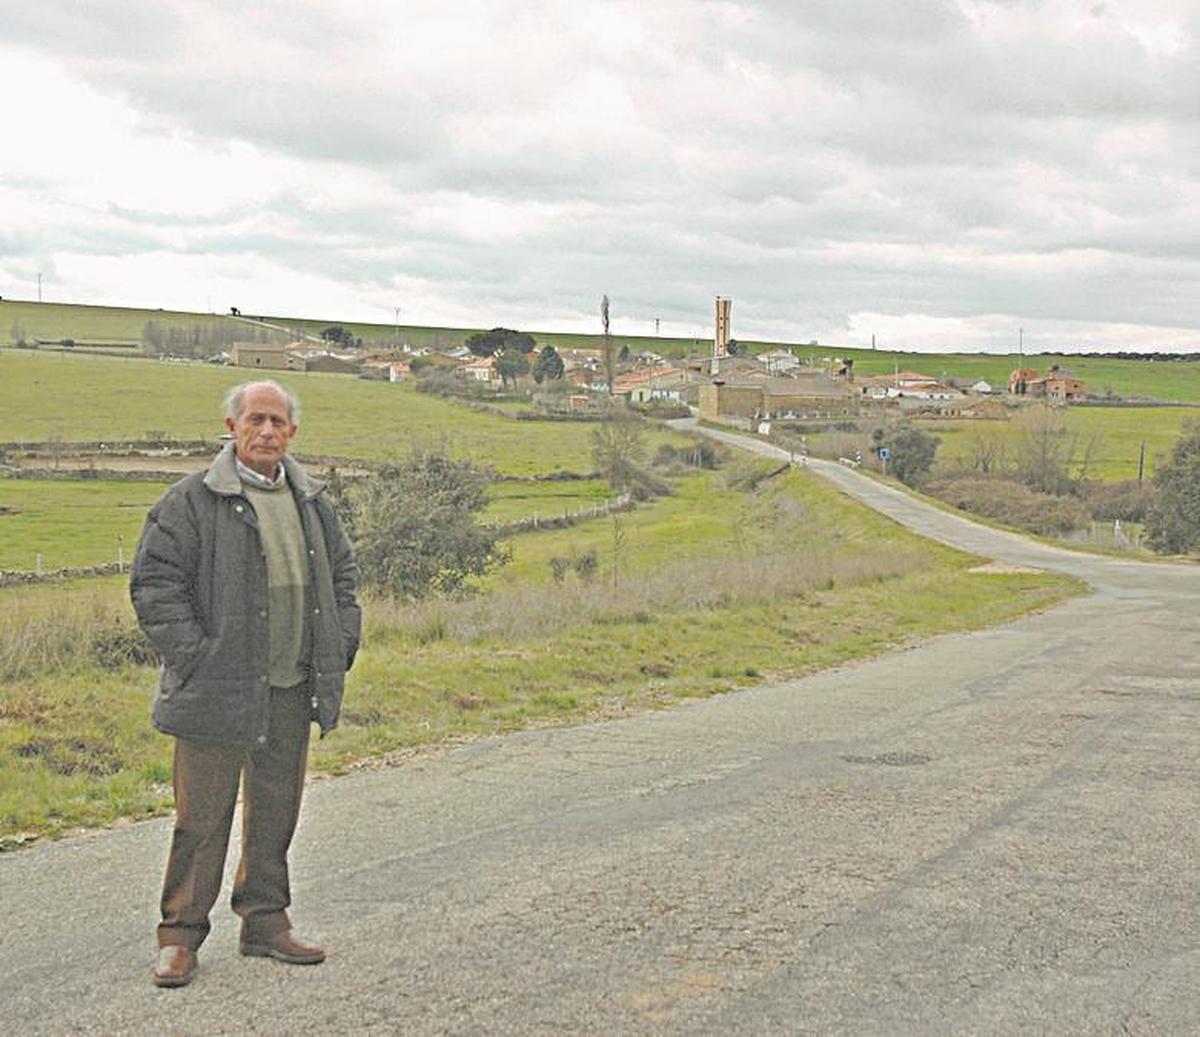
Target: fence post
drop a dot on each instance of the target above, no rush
(37, 567)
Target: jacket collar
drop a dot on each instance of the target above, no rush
(222, 475)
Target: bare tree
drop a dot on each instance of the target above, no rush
(983, 451)
(1047, 456)
(618, 446)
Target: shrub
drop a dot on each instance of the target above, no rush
(1013, 503)
(1127, 501)
(702, 453)
(913, 453)
(1173, 517)
(414, 526)
(123, 646)
(586, 565)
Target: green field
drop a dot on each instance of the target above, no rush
(1119, 433)
(765, 586)
(70, 523)
(1176, 381)
(711, 588)
(514, 501)
(81, 398)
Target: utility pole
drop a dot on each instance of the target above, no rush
(397, 309)
(1021, 341)
(39, 287)
(656, 326)
(1141, 462)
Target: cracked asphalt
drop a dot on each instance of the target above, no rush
(986, 833)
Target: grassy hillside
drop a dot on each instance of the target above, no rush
(111, 324)
(94, 398)
(1165, 380)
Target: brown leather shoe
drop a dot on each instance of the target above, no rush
(175, 966)
(284, 946)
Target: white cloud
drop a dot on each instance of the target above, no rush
(943, 168)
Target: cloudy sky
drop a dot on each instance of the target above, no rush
(938, 173)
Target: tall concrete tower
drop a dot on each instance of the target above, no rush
(721, 335)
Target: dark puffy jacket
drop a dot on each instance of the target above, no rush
(199, 587)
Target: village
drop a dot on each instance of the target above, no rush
(724, 385)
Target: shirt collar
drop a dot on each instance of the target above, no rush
(249, 475)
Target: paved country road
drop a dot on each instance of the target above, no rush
(988, 833)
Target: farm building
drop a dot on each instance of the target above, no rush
(667, 384)
(811, 397)
(1058, 385)
(270, 356)
(480, 369)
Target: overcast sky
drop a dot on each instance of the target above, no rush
(938, 173)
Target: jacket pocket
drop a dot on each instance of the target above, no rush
(197, 661)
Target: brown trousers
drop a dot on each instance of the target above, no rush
(206, 785)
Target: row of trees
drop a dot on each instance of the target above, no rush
(511, 351)
(202, 340)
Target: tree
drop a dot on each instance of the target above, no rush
(1047, 456)
(510, 365)
(1173, 519)
(733, 347)
(610, 363)
(414, 526)
(983, 451)
(617, 446)
(336, 334)
(489, 343)
(913, 453)
(549, 365)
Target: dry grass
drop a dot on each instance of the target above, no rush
(45, 632)
(527, 611)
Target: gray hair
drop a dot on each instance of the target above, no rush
(235, 399)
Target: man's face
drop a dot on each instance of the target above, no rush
(263, 430)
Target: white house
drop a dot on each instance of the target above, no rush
(481, 369)
(778, 361)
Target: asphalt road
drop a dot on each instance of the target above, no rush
(987, 833)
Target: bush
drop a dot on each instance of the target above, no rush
(1173, 517)
(702, 453)
(116, 647)
(586, 565)
(1127, 501)
(414, 526)
(913, 453)
(1013, 503)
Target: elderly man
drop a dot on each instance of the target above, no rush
(245, 583)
